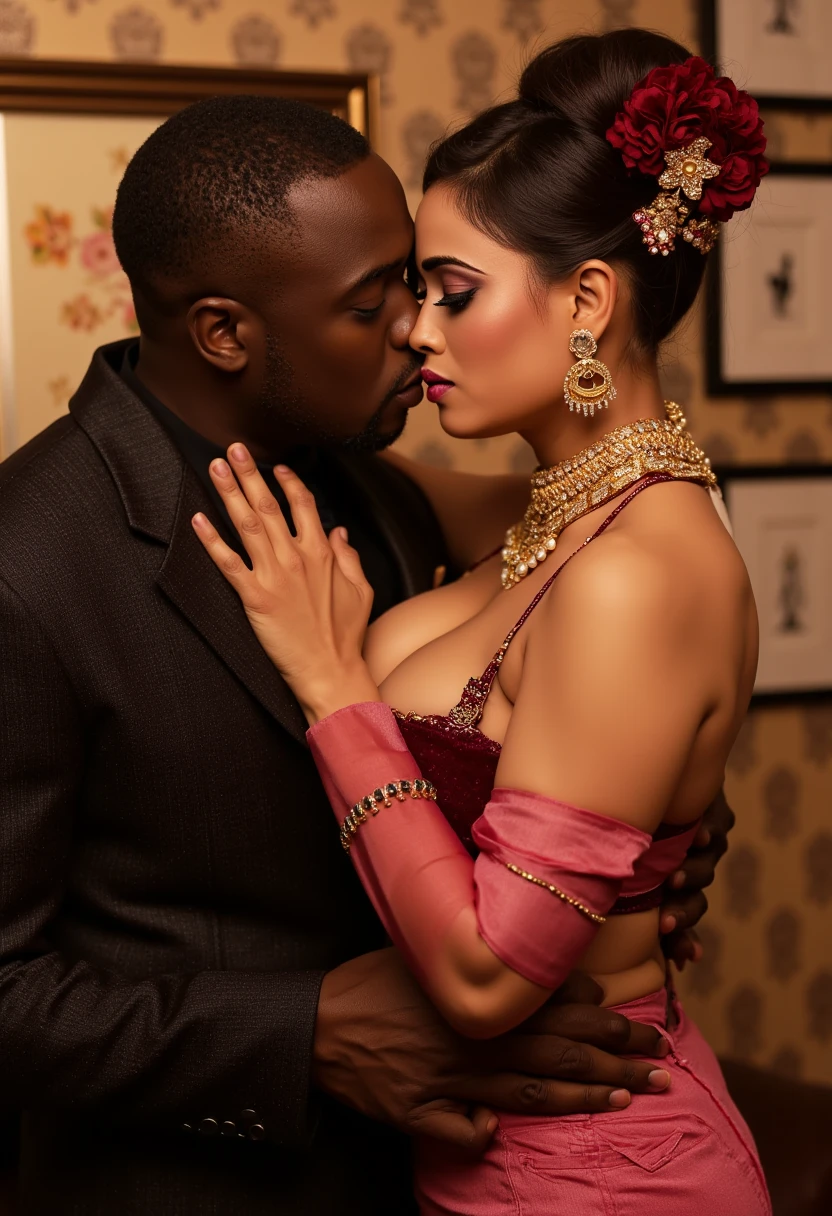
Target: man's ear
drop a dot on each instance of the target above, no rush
(222, 331)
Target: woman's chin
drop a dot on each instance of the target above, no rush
(467, 424)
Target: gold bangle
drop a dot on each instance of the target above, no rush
(371, 804)
(567, 899)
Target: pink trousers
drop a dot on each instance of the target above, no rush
(684, 1152)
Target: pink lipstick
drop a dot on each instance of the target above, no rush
(437, 385)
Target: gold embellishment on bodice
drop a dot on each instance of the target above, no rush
(575, 487)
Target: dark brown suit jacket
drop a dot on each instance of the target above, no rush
(172, 889)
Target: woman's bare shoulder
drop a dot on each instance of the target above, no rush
(636, 644)
(667, 556)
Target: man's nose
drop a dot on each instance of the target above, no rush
(402, 327)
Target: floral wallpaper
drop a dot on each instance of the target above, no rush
(51, 238)
(764, 990)
(69, 292)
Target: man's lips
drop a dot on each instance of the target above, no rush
(411, 393)
(437, 385)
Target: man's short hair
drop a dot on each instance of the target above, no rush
(220, 167)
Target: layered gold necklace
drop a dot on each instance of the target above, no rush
(562, 494)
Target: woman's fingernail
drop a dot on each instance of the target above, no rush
(342, 532)
(668, 923)
(238, 452)
(620, 1098)
(199, 520)
(281, 468)
(658, 1079)
(492, 1125)
(679, 879)
(220, 468)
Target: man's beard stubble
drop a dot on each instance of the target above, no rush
(280, 398)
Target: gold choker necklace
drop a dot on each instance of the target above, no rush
(576, 486)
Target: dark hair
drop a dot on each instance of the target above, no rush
(538, 175)
(217, 167)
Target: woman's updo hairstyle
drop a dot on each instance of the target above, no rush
(539, 175)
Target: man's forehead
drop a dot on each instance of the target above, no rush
(352, 223)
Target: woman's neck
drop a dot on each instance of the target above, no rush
(563, 434)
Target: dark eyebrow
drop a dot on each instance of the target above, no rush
(434, 263)
(378, 272)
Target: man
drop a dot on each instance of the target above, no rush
(196, 1014)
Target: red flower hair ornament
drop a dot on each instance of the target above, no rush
(702, 137)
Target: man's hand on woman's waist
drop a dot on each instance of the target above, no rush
(381, 1048)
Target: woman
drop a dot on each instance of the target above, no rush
(512, 826)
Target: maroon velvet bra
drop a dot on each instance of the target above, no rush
(461, 761)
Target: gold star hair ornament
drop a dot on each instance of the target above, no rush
(688, 169)
(668, 215)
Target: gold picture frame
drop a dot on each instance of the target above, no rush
(67, 129)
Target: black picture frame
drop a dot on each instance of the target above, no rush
(69, 86)
(732, 475)
(708, 41)
(717, 382)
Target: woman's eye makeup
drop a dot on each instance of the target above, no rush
(456, 300)
(456, 294)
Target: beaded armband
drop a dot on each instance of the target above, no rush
(371, 804)
(595, 917)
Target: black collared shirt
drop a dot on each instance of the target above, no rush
(336, 506)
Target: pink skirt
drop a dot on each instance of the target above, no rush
(686, 1151)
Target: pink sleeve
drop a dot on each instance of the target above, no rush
(549, 865)
(546, 875)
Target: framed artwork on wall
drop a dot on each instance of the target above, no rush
(769, 326)
(782, 522)
(779, 50)
(67, 131)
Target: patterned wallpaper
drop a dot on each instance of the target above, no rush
(764, 991)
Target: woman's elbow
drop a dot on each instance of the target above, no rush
(468, 1019)
(481, 1012)
(479, 994)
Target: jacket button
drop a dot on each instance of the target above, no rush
(209, 1127)
(228, 1128)
(256, 1132)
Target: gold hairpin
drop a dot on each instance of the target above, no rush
(668, 215)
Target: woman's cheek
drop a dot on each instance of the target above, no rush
(488, 339)
(498, 348)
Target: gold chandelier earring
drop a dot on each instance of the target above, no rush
(580, 388)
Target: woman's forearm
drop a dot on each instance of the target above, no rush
(411, 863)
(487, 945)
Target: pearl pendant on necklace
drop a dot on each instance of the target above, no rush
(523, 568)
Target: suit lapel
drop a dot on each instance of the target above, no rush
(366, 477)
(191, 581)
(160, 494)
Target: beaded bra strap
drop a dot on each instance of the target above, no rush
(469, 708)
